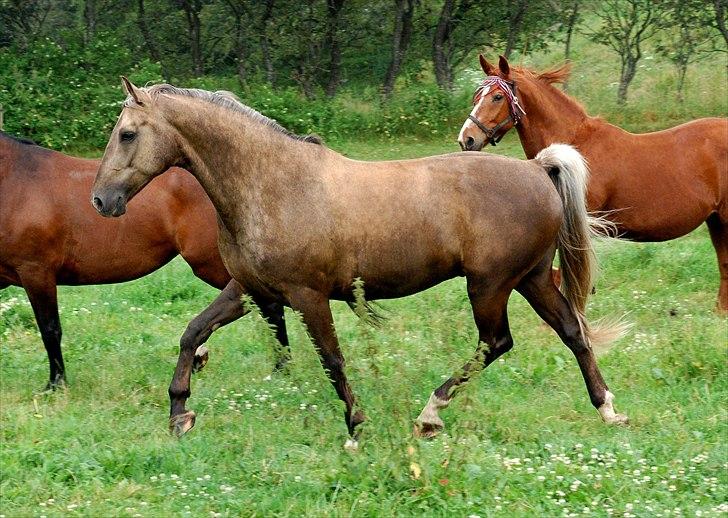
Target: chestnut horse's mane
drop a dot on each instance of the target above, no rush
(558, 74)
(229, 101)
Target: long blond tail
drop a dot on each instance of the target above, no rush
(570, 174)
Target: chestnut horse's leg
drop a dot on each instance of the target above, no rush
(541, 293)
(41, 290)
(494, 340)
(719, 235)
(316, 315)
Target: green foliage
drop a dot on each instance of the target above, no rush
(67, 95)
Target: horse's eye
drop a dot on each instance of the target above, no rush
(497, 97)
(127, 136)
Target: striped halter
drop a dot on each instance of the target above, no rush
(514, 108)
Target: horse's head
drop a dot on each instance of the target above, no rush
(141, 147)
(495, 108)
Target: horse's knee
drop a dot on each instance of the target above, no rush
(191, 336)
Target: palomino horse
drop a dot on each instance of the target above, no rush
(654, 186)
(299, 224)
(47, 238)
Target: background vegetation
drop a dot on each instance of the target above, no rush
(349, 69)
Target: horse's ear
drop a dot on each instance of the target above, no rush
(132, 90)
(505, 68)
(487, 67)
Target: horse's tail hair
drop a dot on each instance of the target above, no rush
(570, 174)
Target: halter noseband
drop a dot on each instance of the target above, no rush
(515, 112)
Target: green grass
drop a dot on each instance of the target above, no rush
(521, 440)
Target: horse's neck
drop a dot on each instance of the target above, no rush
(551, 117)
(238, 161)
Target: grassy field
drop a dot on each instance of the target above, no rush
(522, 440)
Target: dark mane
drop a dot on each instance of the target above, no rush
(19, 140)
(230, 101)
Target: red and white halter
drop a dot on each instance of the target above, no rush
(516, 112)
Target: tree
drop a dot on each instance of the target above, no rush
(444, 45)
(626, 24)
(686, 35)
(192, 10)
(333, 44)
(516, 13)
(401, 35)
(720, 7)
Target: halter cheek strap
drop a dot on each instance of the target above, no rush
(514, 108)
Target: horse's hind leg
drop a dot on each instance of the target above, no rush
(494, 339)
(541, 293)
(719, 235)
(41, 290)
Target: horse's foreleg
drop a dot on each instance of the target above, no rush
(226, 308)
(316, 315)
(494, 340)
(719, 235)
(551, 306)
(41, 290)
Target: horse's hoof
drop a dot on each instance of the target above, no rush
(618, 420)
(202, 354)
(351, 445)
(180, 424)
(427, 430)
(52, 386)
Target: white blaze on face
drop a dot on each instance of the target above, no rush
(473, 113)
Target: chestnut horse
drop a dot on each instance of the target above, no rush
(48, 238)
(653, 186)
(299, 224)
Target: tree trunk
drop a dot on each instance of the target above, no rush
(265, 42)
(570, 24)
(720, 15)
(148, 38)
(192, 10)
(404, 11)
(240, 51)
(443, 75)
(629, 69)
(515, 19)
(89, 18)
(333, 43)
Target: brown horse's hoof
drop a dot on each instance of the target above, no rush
(427, 430)
(202, 354)
(182, 423)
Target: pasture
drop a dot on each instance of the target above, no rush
(521, 440)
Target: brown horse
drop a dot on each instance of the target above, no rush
(48, 238)
(299, 224)
(654, 186)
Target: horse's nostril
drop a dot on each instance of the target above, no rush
(469, 143)
(97, 203)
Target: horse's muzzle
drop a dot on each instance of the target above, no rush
(111, 204)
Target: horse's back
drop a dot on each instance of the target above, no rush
(48, 222)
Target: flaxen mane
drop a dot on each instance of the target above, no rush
(559, 74)
(229, 101)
